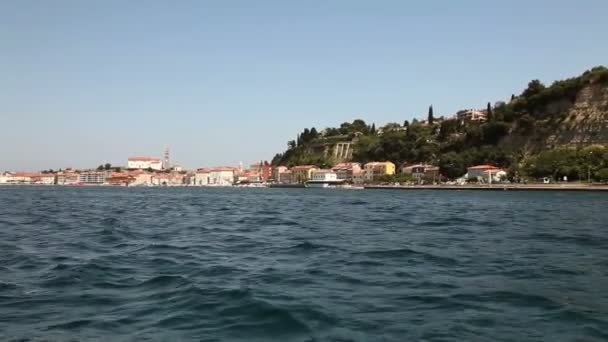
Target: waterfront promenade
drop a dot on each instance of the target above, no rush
(497, 187)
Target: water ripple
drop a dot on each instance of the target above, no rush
(196, 264)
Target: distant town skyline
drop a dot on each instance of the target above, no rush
(89, 83)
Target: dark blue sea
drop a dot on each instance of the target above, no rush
(202, 264)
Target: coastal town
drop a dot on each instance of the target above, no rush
(152, 171)
(156, 171)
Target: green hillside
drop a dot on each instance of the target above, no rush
(557, 130)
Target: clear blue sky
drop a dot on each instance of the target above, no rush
(88, 82)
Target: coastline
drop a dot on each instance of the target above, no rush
(497, 187)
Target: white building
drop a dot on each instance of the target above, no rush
(144, 163)
(5, 177)
(202, 177)
(472, 115)
(223, 176)
(277, 171)
(324, 176)
(93, 177)
(67, 178)
(47, 178)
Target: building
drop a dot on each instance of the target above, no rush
(20, 178)
(359, 177)
(422, 172)
(472, 115)
(140, 178)
(477, 172)
(302, 173)
(45, 179)
(345, 171)
(285, 177)
(168, 179)
(67, 177)
(202, 177)
(277, 171)
(323, 176)
(493, 176)
(93, 177)
(374, 171)
(221, 176)
(144, 163)
(120, 178)
(264, 169)
(5, 177)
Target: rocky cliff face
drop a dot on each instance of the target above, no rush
(585, 121)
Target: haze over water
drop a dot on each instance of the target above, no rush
(170, 264)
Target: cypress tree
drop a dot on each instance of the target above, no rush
(373, 129)
(431, 118)
(489, 112)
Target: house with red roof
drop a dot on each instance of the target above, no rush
(485, 172)
(142, 162)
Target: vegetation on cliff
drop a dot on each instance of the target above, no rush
(533, 135)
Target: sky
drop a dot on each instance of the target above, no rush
(88, 82)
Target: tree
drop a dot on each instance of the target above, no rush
(107, 166)
(452, 165)
(512, 97)
(373, 129)
(358, 125)
(313, 133)
(406, 124)
(601, 175)
(431, 118)
(100, 167)
(489, 112)
(535, 87)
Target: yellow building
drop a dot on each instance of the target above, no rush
(302, 173)
(375, 170)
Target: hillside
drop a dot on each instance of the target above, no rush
(559, 130)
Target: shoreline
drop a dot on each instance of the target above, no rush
(498, 187)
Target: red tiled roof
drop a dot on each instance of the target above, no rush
(27, 174)
(142, 158)
(304, 167)
(483, 167)
(222, 168)
(345, 166)
(377, 163)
